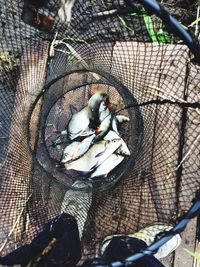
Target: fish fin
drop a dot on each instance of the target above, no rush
(73, 109)
(86, 174)
(122, 118)
(99, 154)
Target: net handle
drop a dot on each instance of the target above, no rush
(174, 25)
(184, 220)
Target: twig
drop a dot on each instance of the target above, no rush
(163, 91)
(15, 224)
(73, 52)
(185, 157)
(197, 20)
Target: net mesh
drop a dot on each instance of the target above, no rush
(154, 69)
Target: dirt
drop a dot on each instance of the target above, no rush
(183, 10)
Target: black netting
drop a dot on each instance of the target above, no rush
(151, 75)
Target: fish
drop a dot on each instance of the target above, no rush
(111, 135)
(83, 147)
(115, 125)
(118, 119)
(123, 149)
(122, 118)
(79, 124)
(97, 154)
(103, 111)
(87, 162)
(65, 11)
(104, 128)
(107, 166)
(68, 152)
(93, 107)
(84, 122)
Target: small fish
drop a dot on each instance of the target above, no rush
(122, 118)
(83, 147)
(89, 159)
(107, 166)
(104, 128)
(97, 154)
(112, 147)
(112, 135)
(103, 111)
(68, 152)
(65, 11)
(115, 125)
(93, 107)
(118, 119)
(79, 124)
(123, 149)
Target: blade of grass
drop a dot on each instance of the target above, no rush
(124, 24)
(195, 255)
(149, 26)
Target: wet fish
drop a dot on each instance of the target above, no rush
(123, 149)
(93, 107)
(97, 154)
(79, 124)
(86, 120)
(89, 159)
(118, 119)
(122, 118)
(111, 135)
(104, 128)
(115, 125)
(103, 111)
(107, 166)
(83, 147)
(68, 152)
(65, 11)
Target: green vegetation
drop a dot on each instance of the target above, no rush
(195, 255)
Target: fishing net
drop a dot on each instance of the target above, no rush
(148, 66)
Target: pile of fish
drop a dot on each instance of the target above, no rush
(100, 147)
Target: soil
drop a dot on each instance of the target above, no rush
(183, 10)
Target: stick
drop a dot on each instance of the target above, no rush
(15, 224)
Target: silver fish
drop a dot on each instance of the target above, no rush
(65, 11)
(79, 124)
(115, 125)
(104, 128)
(123, 149)
(111, 135)
(97, 154)
(103, 111)
(93, 107)
(89, 159)
(107, 166)
(68, 152)
(83, 147)
(118, 119)
(122, 118)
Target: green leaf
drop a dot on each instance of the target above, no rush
(149, 26)
(195, 255)
(124, 24)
